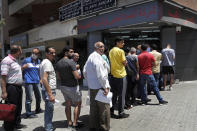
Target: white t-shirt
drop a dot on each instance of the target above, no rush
(168, 57)
(46, 66)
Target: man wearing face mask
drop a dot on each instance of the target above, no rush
(30, 69)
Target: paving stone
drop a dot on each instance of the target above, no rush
(180, 114)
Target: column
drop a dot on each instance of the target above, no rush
(168, 36)
(93, 37)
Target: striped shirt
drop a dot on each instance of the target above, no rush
(11, 69)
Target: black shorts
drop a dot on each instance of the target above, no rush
(168, 70)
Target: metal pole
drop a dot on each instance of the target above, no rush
(2, 41)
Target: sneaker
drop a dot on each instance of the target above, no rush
(123, 115)
(163, 102)
(77, 127)
(37, 111)
(70, 126)
(170, 88)
(148, 100)
(127, 107)
(31, 116)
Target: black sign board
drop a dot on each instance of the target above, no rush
(91, 6)
(84, 7)
(70, 10)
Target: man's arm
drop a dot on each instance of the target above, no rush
(102, 77)
(24, 65)
(47, 87)
(174, 55)
(3, 87)
(125, 63)
(58, 75)
(76, 75)
(138, 70)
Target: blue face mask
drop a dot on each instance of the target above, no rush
(148, 49)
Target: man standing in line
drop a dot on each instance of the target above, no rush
(11, 85)
(32, 82)
(146, 62)
(96, 73)
(168, 60)
(156, 67)
(75, 59)
(68, 74)
(118, 79)
(48, 78)
(132, 77)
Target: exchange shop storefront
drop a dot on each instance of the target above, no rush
(152, 22)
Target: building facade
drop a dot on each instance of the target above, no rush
(80, 23)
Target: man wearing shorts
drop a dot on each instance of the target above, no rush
(168, 59)
(68, 74)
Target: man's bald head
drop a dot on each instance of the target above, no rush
(75, 57)
(99, 47)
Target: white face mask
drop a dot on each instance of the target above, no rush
(34, 56)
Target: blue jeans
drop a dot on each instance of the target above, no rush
(156, 76)
(151, 81)
(49, 107)
(29, 88)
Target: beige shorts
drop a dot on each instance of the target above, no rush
(71, 93)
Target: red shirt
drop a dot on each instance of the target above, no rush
(146, 61)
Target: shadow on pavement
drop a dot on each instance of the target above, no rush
(63, 124)
(41, 128)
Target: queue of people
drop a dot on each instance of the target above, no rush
(126, 76)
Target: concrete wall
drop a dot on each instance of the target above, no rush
(93, 37)
(17, 5)
(54, 30)
(45, 13)
(188, 3)
(186, 52)
(168, 35)
(127, 2)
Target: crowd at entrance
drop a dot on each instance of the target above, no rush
(119, 79)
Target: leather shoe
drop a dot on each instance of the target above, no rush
(20, 126)
(123, 115)
(39, 111)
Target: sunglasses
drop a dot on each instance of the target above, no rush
(52, 53)
(36, 53)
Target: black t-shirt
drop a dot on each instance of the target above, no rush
(65, 67)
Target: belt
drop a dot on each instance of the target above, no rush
(18, 85)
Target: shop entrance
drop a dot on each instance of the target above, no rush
(133, 38)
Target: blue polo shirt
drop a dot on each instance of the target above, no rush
(31, 74)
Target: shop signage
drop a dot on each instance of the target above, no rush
(91, 6)
(128, 16)
(70, 10)
(182, 14)
(83, 7)
(21, 40)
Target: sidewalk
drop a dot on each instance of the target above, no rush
(180, 114)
